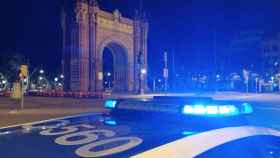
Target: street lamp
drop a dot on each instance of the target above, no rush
(42, 71)
(56, 79)
(4, 81)
(143, 71)
(62, 76)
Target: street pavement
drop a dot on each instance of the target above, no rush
(39, 108)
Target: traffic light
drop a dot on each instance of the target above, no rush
(23, 71)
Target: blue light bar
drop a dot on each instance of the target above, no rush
(211, 110)
(247, 108)
(110, 104)
(111, 122)
(200, 109)
(188, 109)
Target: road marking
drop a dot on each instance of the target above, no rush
(49, 120)
(193, 146)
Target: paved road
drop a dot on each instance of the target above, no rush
(37, 109)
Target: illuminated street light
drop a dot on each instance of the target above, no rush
(109, 74)
(41, 71)
(56, 79)
(40, 78)
(143, 71)
(62, 76)
(4, 81)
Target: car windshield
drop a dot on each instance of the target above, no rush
(139, 78)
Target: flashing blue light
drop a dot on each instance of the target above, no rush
(224, 109)
(199, 109)
(233, 110)
(188, 109)
(110, 104)
(110, 122)
(248, 109)
(211, 110)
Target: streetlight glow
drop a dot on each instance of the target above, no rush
(143, 71)
(56, 79)
(41, 71)
(62, 76)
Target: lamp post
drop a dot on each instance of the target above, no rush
(108, 79)
(165, 71)
(142, 72)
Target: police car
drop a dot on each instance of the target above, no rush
(162, 127)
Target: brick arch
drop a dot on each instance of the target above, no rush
(88, 30)
(121, 59)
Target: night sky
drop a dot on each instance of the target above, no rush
(185, 28)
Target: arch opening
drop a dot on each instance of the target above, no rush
(115, 67)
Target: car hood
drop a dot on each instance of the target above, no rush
(106, 135)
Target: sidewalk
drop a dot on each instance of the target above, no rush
(37, 109)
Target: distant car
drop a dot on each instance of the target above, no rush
(155, 128)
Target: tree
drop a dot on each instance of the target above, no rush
(10, 64)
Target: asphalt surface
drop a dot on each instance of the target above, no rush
(38, 108)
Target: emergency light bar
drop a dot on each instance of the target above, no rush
(208, 109)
